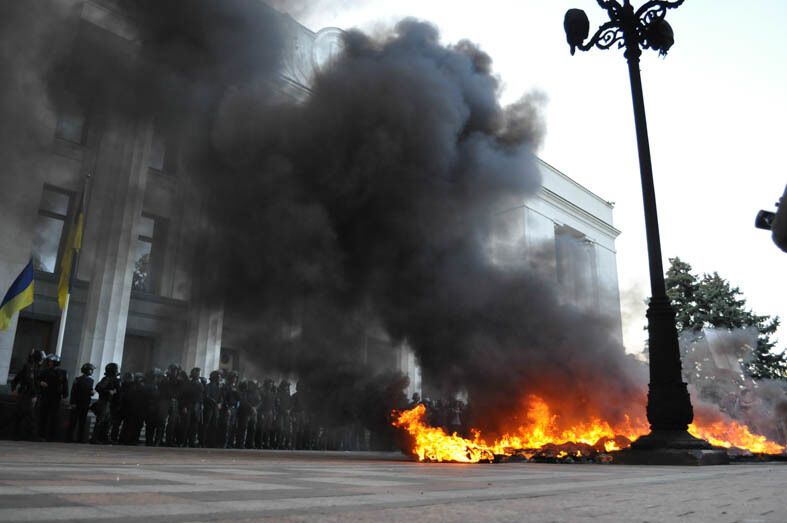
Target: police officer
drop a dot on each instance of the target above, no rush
(25, 386)
(169, 392)
(155, 409)
(213, 402)
(81, 394)
(231, 404)
(124, 408)
(247, 414)
(133, 403)
(108, 389)
(191, 407)
(265, 414)
(54, 388)
(283, 422)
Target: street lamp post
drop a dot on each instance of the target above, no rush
(669, 408)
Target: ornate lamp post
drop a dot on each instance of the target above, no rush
(669, 406)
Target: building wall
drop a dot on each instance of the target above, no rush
(112, 321)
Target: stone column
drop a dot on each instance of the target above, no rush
(203, 340)
(409, 367)
(118, 188)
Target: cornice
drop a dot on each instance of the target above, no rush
(578, 212)
(576, 184)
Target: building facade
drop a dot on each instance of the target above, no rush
(131, 300)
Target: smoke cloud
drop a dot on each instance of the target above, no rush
(714, 362)
(359, 214)
(375, 200)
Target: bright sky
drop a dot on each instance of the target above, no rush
(717, 112)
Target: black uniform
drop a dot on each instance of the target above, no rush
(81, 394)
(230, 414)
(155, 409)
(265, 415)
(247, 415)
(169, 392)
(26, 386)
(213, 403)
(133, 406)
(54, 388)
(106, 408)
(283, 420)
(191, 409)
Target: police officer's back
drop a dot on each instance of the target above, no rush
(81, 395)
(54, 388)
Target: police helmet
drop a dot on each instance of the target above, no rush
(111, 369)
(54, 358)
(87, 368)
(37, 356)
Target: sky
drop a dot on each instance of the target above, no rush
(716, 109)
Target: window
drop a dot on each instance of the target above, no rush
(576, 267)
(50, 225)
(162, 153)
(72, 124)
(158, 152)
(148, 253)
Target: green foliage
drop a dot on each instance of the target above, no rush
(710, 301)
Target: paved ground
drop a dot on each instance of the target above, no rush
(46, 481)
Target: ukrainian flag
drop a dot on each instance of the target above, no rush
(19, 296)
(73, 244)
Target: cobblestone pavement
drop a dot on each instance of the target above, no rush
(49, 482)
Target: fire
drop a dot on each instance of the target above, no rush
(433, 444)
(543, 432)
(731, 434)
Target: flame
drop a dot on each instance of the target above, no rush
(433, 444)
(543, 428)
(732, 434)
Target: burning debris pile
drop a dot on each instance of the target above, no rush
(544, 439)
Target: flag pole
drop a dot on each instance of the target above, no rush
(73, 270)
(62, 329)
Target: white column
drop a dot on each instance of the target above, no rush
(203, 341)
(113, 212)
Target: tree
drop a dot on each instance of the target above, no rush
(710, 301)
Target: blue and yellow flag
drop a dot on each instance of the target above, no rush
(19, 296)
(73, 244)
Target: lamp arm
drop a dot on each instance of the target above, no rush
(610, 6)
(656, 9)
(605, 37)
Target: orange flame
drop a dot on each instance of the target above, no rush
(542, 427)
(732, 434)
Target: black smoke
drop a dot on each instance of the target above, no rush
(368, 206)
(375, 200)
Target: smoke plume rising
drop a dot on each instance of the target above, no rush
(367, 206)
(375, 199)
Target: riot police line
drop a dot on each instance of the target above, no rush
(169, 408)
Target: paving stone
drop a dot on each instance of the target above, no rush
(58, 482)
